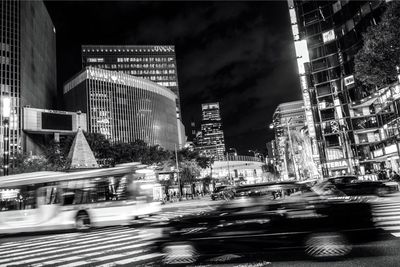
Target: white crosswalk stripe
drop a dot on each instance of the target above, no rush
(111, 246)
(387, 216)
(101, 246)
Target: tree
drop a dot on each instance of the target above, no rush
(24, 163)
(100, 145)
(375, 63)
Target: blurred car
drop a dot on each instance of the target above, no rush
(222, 192)
(352, 186)
(273, 190)
(317, 220)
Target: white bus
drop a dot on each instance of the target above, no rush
(66, 200)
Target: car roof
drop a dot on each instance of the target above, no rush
(271, 184)
(343, 176)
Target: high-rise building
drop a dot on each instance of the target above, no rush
(27, 69)
(124, 108)
(288, 117)
(211, 143)
(151, 62)
(327, 35)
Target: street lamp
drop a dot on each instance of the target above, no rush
(234, 149)
(6, 110)
(177, 173)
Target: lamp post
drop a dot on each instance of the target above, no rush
(229, 171)
(6, 110)
(177, 173)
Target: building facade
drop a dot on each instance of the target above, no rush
(288, 118)
(211, 142)
(236, 170)
(124, 108)
(327, 35)
(27, 69)
(376, 122)
(151, 62)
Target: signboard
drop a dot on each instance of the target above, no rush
(328, 36)
(377, 153)
(54, 121)
(349, 80)
(391, 149)
(337, 164)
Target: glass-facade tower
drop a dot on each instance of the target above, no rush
(327, 36)
(124, 108)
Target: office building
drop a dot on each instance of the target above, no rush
(288, 118)
(211, 142)
(124, 108)
(327, 35)
(27, 69)
(151, 62)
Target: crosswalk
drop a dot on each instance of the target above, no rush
(112, 246)
(387, 216)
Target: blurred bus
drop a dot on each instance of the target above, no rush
(79, 200)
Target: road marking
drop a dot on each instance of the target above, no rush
(55, 239)
(52, 251)
(43, 260)
(50, 246)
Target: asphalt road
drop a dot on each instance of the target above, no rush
(123, 246)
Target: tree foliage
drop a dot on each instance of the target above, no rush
(55, 156)
(375, 63)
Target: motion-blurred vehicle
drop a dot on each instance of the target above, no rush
(222, 192)
(44, 201)
(318, 220)
(273, 190)
(352, 186)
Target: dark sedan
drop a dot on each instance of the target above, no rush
(352, 186)
(316, 220)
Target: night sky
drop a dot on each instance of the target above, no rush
(238, 53)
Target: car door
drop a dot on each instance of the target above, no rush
(245, 229)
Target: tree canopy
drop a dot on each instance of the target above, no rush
(55, 156)
(375, 63)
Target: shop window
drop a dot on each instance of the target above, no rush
(321, 77)
(323, 90)
(332, 140)
(317, 52)
(336, 6)
(333, 60)
(365, 9)
(331, 48)
(328, 114)
(319, 64)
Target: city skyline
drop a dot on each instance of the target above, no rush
(219, 59)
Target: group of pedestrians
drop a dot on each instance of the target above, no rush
(174, 196)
